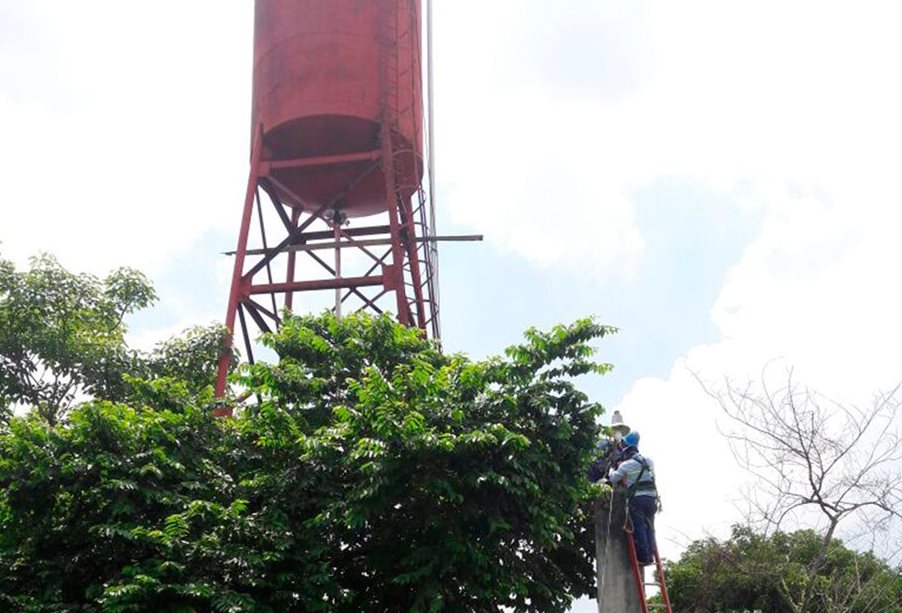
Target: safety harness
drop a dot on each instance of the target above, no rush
(639, 485)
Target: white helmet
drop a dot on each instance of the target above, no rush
(617, 424)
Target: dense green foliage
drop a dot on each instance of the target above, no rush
(62, 334)
(753, 572)
(187, 363)
(62, 340)
(375, 474)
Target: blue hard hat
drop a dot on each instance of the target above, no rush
(631, 439)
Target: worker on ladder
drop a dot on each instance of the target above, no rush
(637, 473)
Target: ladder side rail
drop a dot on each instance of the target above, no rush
(665, 596)
(638, 573)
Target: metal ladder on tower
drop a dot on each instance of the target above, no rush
(400, 30)
(639, 575)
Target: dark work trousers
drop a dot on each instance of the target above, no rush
(642, 514)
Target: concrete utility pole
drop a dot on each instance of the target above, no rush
(617, 590)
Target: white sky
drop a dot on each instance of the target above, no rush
(123, 140)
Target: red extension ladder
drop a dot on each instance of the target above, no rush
(639, 574)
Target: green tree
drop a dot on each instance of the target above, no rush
(192, 357)
(816, 461)
(375, 474)
(62, 335)
(62, 341)
(179, 370)
(754, 572)
(116, 509)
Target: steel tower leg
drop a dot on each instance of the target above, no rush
(235, 291)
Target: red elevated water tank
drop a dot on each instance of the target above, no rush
(318, 91)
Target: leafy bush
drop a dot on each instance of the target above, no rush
(62, 340)
(374, 474)
(751, 571)
(62, 334)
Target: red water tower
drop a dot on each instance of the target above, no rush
(337, 153)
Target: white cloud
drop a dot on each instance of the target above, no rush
(125, 129)
(132, 141)
(548, 120)
(816, 291)
(789, 107)
(544, 143)
(525, 161)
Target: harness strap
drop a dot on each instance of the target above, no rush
(639, 485)
(644, 486)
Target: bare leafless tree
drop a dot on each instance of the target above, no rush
(814, 458)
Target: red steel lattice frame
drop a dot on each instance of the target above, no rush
(405, 269)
